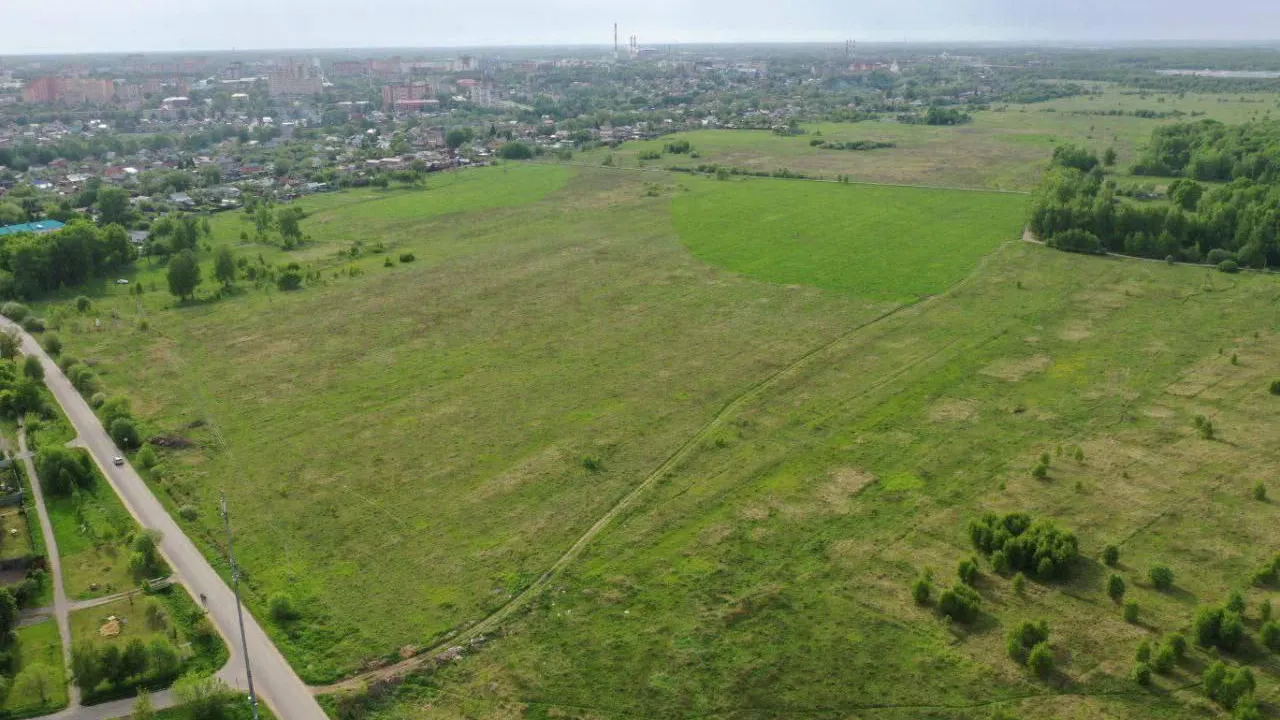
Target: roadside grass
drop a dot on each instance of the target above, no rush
(16, 540)
(93, 531)
(887, 243)
(406, 449)
(37, 644)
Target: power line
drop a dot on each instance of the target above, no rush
(235, 585)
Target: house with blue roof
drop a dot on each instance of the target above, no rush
(37, 228)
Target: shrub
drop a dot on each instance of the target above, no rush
(1020, 583)
(124, 433)
(1111, 555)
(1000, 562)
(1204, 425)
(1229, 266)
(592, 463)
(1075, 240)
(1235, 602)
(1131, 611)
(1040, 471)
(15, 311)
(1036, 547)
(967, 571)
(1275, 387)
(1269, 635)
(960, 603)
(188, 513)
(1267, 573)
(83, 304)
(97, 400)
(33, 324)
(406, 257)
(1161, 577)
(1142, 673)
(1215, 626)
(1260, 492)
(1040, 661)
(280, 607)
(921, 590)
(1023, 638)
(1264, 610)
(1236, 683)
(515, 150)
(1165, 660)
(52, 344)
(1115, 587)
(1177, 643)
(290, 277)
(147, 457)
(1143, 653)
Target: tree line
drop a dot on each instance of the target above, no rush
(35, 264)
(1076, 208)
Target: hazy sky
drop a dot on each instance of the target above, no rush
(58, 26)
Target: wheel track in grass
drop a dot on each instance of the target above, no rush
(728, 410)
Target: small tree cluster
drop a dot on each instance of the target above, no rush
(61, 470)
(1216, 626)
(1037, 548)
(1023, 638)
(1111, 555)
(967, 571)
(960, 603)
(1161, 577)
(1268, 573)
(92, 664)
(1228, 686)
(921, 590)
(1115, 587)
(1269, 635)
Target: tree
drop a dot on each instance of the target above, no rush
(52, 344)
(967, 571)
(1260, 492)
(134, 658)
(1131, 611)
(32, 368)
(515, 150)
(281, 608)
(1165, 660)
(1111, 555)
(1161, 577)
(83, 303)
(183, 275)
(457, 137)
(36, 679)
(164, 659)
(9, 344)
(124, 433)
(203, 698)
(1235, 602)
(1115, 587)
(1021, 639)
(960, 603)
(224, 266)
(113, 667)
(290, 277)
(920, 591)
(1269, 635)
(86, 667)
(1109, 157)
(113, 206)
(1019, 583)
(8, 611)
(61, 469)
(290, 231)
(147, 457)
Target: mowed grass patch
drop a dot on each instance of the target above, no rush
(37, 645)
(887, 243)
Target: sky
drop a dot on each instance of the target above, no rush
(65, 26)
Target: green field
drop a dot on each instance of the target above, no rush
(812, 386)
(851, 238)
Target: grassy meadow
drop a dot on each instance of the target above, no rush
(37, 644)
(817, 384)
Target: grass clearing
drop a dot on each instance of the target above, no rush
(887, 243)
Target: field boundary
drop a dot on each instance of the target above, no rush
(669, 171)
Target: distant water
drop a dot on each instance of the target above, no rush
(1249, 74)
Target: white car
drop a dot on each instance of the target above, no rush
(122, 281)
(117, 461)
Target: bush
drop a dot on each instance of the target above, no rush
(1142, 673)
(1218, 255)
(1131, 611)
(1161, 577)
(1269, 635)
(15, 311)
(83, 304)
(1115, 587)
(960, 603)
(1143, 653)
(1235, 602)
(1037, 548)
(1264, 610)
(124, 433)
(1267, 573)
(1075, 240)
(1275, 387)
(280, 607)
(1111, 555)
(33, 324)
(967, 571)
(1165, 660)
(1019, 583)
(1260, 492)
(921, 590)
(1215, 626)
(188, 513)
(515, 150)
(406, 257)
(1023, 638)
(52, 344)
(97, 400)
(290, 277)
(1229, 266)
(1040, 661)
(1177, 643)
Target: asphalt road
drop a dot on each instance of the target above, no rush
(275, 682)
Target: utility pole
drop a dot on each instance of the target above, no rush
(235, 586)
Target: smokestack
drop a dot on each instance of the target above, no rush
(615, 39)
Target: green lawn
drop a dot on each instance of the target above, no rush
(92, 533)
(38, 644)
(15, 538)
(885, 243)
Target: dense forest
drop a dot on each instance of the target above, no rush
(33, 264)
(1234, 224)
